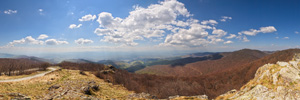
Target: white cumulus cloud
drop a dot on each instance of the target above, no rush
(73, 26)
(211, 22)
(88, 17)
(253, 32)
(268, 29)
(219, 32)
(228, 42)
(83, 41)
(142, 23)
(231, 36)
(42, 36)
(38, 41)
(14, 42)
(55, 42)
(156, 22)
(26, 40)
(194, 35)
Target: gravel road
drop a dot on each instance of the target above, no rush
(29, 77)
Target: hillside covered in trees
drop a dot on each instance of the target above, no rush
(9, 66)
(212, 84)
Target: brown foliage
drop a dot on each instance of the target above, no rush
(211, 84)
(230, 59)
(20, 66)
(82, 66)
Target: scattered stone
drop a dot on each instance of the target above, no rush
(107, 80)
(48, 83)
(96, 87)
(90, 89)
(112, 68)
(82, 73)
(17, 96)
(91, 82)
(53, 87)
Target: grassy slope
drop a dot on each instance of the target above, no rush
(38, 87)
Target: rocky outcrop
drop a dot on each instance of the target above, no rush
(75, 89)
(280, 81)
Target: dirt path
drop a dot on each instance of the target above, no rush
(29, 77)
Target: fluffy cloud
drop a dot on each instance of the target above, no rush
(253, 32)
(154, 21)
(38, 41)
(195, 35)
(228, 42)
(192, 36)
(88, 17)
(268, 29)
(142, 23)
(83, 41)
(231, 36)
(296, 32)
(225, 18)
(26, 40)
(211, 22)
(219, 32)
(31, 40)
(10, 11)
(55, 42)
(42, 36)
(72, 26)
(22, 41)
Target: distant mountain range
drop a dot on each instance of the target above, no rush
(5, 55)
(208, 63)
(142, 65)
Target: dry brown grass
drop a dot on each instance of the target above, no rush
(38, 87)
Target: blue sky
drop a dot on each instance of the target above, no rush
(57, 26)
